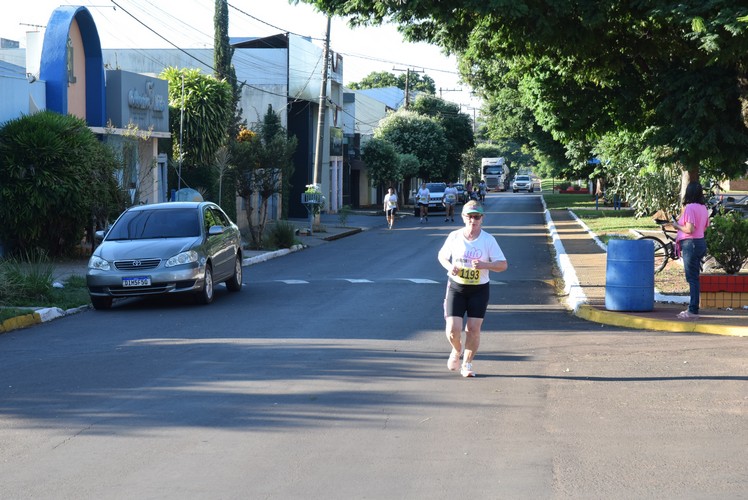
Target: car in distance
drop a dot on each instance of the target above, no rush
(522, 183)
(166, 248)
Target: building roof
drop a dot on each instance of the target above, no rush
(8, 69)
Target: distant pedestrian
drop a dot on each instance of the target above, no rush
(468, 254)
(450, 200)
(482, 190)
(693, 220)
(423, 196)
(390, 206)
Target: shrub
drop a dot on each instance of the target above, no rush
(282, 234)
(563, 186)
(56, 175)
(727, 240)
(343, 214)
(24, 281)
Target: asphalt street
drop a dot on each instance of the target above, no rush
(326, 378)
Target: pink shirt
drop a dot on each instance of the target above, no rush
(698, 215)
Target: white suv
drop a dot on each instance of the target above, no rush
(522, 183)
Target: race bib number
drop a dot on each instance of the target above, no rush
(467, 276)
(450, 198)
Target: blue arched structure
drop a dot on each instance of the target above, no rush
(53, 67)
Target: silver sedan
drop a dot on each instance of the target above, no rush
(165, 248)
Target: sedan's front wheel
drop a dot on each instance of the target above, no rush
(205, 296)
(234, 284)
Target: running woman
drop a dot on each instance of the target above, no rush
(468, 254)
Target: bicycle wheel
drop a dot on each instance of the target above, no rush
(661, 253)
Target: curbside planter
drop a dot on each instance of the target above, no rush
(723, 290)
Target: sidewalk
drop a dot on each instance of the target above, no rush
(583, 263)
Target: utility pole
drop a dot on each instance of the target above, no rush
(447, 90)
(322, 108)
(407, 82)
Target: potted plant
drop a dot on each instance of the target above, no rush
(726, 241)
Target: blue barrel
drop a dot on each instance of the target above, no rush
(629, 275)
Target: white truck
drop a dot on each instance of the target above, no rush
(494, 171)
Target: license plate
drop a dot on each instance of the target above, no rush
(136, 281)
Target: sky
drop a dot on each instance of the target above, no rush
(189, 24)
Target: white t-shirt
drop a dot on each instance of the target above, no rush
(461, 252)
(390, 201)
(423, 196)
(450, 195)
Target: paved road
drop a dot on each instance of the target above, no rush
(326, 378)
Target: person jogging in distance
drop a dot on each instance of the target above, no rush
(423, 201)
(390, 206)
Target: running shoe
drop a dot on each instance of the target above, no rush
(687, 315)
(467, 370)
(454, 361)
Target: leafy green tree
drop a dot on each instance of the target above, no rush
(207, 104)
(419, 135)
(409, 165)
(673, 72)
(382, 162)
(460, 137)
(263, 160)
(380, 79)
(632, 172)
(56, 176)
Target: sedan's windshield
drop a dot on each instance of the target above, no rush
(436, 187)
(522, 178)
(145, 224)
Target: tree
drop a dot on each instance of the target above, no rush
(674, 73)
(419, 135)
(224, 70)
(382, 162)
(263, 159)
(381, 79)
(207, 104)
(57, 176)
(460, 137)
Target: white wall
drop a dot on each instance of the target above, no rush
(19, 97)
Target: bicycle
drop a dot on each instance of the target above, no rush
(665, 251)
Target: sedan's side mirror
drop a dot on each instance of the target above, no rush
(99, 235)
(215, 230)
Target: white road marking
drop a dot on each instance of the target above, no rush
(294, 282)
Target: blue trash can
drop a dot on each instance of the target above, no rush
(629, 275)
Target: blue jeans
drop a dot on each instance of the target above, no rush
(692, 251)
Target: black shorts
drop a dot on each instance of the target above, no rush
(391, 211)
(470, 299)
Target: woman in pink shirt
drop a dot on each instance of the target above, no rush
(691, 224)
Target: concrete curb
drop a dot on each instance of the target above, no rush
(41, 315)
(590, 313)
